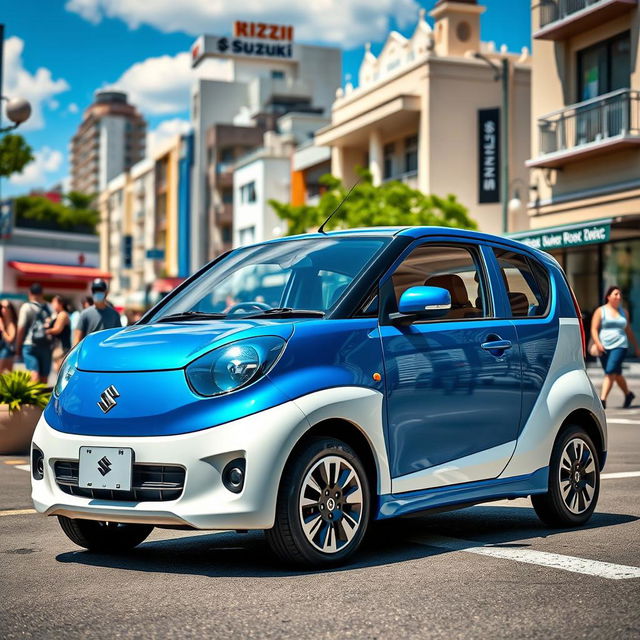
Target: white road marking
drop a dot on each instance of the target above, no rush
(541, 558)
(16, 512)
(23, 467)
(622, 421)
(620, 474)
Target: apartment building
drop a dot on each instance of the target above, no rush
(110, 139)
(585, 157)
(427, 111)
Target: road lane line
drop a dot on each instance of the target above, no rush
(23, 467)
(22, 461)
(16, 512)
(620, 474)
(622, 421)
(529, 556)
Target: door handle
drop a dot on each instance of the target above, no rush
(496, 345)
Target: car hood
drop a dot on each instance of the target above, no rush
(156, 347)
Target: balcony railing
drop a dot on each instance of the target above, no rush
(602, 123)
(559, 19)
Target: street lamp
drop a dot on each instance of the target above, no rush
(18, 111)
(502, 73)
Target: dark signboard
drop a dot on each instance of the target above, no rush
(488, 155)
(7, 215)
(127, 252)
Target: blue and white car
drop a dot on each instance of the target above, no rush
(310, 385)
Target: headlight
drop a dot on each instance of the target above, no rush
(67, 369)
(233, 366)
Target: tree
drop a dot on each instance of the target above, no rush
(391, 204)
(15, 154)
(73, 214)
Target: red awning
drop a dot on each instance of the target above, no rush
(164, 285)
(58, 271)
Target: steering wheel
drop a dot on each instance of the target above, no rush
(248, 306)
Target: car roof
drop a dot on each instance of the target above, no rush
(417, 232)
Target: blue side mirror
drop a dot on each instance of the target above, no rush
(425, 302)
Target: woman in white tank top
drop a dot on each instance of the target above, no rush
(611, 333)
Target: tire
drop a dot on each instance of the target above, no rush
(336, 513)
(105, 537)
(574, 480)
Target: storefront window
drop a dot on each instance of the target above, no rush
(622, 268)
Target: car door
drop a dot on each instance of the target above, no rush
(453, 385)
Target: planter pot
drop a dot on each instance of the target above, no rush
(16, 429)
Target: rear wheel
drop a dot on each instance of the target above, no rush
(574, 481)
(323, 505)
(107, 537)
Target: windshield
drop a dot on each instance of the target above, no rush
(277, 278)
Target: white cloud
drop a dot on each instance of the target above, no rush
(344, 22)
(38, 88)
(46, 161)
(158, 137)
(73, 108)
(162, 85)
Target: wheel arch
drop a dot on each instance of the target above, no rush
(590, 424)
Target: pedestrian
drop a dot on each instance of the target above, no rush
(8, 330)
(85, 303)
(33, 343)
(60, 331)
(611, 333)
(99, 316)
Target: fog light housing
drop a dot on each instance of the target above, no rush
(37, 463)
(233, 475)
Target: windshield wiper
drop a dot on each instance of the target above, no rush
(285, 311)
(192, 315)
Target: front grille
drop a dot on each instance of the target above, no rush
(149, 483)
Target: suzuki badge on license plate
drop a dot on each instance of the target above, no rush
(105, 468)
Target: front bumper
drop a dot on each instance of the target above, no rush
(264, 439)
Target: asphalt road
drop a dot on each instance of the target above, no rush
(472, 573)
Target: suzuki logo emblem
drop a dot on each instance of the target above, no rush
(108, 399)
(104, 465)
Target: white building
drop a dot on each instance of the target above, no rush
(256, 90)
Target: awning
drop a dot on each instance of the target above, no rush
(58, 271)
(165, 285)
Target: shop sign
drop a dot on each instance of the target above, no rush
(570, 237)
(249, 40)
(155, 254)
(489, 155)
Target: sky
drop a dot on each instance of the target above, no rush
(58, 52)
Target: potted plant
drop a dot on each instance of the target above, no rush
(21, 403)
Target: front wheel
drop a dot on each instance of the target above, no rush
(323, 505)
(574, 481)
(105, 537)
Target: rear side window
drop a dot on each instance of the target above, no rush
(527, 284)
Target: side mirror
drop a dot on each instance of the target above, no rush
(423, 303)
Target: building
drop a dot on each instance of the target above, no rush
(144, 230)
(264, 81)
(427, 112)
(110, 139)
(585, 155)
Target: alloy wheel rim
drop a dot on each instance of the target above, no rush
(577, 476)
(330, 504)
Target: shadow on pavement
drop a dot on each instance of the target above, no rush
(247, 555)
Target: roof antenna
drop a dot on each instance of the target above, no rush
(321, 229)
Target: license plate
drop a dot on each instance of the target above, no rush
(105, 468)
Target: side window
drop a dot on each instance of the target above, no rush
(452, 268)
(527, 284)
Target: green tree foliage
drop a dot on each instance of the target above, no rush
(15, 154)
(74, 213)
(392, 204)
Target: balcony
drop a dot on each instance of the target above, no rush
(224, 214)
(561, 19)
(607, 123)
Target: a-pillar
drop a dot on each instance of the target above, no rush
(375, 156)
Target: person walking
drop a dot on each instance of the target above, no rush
(33, 343)
(98, 317)
(85, 303)
(60, 331)
(611, 332)
(8, 332)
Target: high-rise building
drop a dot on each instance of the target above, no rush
(110, 140)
